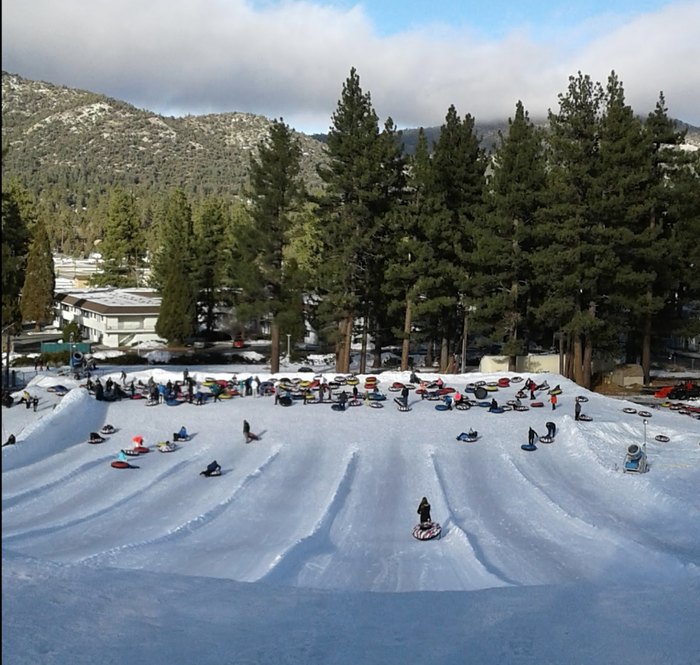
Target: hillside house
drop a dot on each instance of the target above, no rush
(110, 317)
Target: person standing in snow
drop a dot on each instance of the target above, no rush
(404, 396)
(553, 400)
(424, 511)
(531, 436)
(577, 411)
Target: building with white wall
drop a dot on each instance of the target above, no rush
(110, 317)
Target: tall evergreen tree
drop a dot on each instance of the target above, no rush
(177, 320)
(500, 281)
(675, 217)
(209, 226)
(15, 245)
(40, 280)
(351, 209)
(573, 261)
(458, 176)
(277, 194)
(407, 272)
(123, 246)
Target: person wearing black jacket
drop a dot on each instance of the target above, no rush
(424, 511)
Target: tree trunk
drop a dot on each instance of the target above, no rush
(363, 348)
(646, 343)
(578, 359)
(588, 363)
(444, 354)
(345, 364)
(274, 348)
(406, 346)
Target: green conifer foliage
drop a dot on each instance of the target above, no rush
(39, 279)
(15, 243)
(277, 195)
(177, 320)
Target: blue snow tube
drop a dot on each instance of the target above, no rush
(442, 407)
(529, 446)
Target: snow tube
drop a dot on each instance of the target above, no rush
(480, 392)
(498, 409)
(118, 464)
(338, 407)
(108, 429)
(629, 409)
(537, 405)
(522, 407)
(378, 397)
(546, 439)
(285, 400)
(376, 405)
(96, 439)
(529, 446)
(446, 390)
(208, 474)
(484, 404)
(130, 452)
(167, 448)
(585, 418)
(463, 406)
(442, 407)
(644, 414)
(662, 438)
(353, 381)
(427, 531)
(354, 402)
(555, 391)
(469, 438)
(516, 379)
(503, 383)
(581, 398)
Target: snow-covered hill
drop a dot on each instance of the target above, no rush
(319, 512)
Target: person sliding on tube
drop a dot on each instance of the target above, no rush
(424, 511)
(213, 467)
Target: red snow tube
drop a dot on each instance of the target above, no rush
(427, 531)
(118, 464)
(503, 383)
(141, 449)
(537, 404)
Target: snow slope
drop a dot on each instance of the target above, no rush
(317, 517)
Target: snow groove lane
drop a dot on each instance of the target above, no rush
(287, 565)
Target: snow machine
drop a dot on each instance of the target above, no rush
(427, 531)
(635, 460)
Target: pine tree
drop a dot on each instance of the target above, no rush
(177, 320)
(500, 281)
(209, 266)
(276, 197)
(351, 209)
(123, 246)
(458, 171)
(406, 276)
(15, 245)
(39, 280)
(573, 263)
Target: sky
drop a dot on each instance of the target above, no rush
(289, 59)
(302, 551)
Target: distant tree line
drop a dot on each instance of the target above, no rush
(582, 233)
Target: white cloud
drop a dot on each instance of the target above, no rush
(291, 59)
